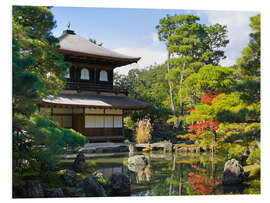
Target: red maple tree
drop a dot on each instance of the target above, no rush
(208, 98)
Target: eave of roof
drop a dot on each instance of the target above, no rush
(74, 44)
(95, 101)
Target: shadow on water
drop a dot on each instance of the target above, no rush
(171, 174)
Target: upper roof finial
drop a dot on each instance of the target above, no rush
(68, 25)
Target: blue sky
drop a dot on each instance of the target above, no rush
(132, 31)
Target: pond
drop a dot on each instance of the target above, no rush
(171, 174)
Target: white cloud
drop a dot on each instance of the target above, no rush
(238, 31)
(155, 39)
(149, 56)
(152, 40)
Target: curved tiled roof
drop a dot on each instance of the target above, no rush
(71, 42)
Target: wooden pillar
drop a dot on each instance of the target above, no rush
(123, 133)
(95, 77)
(83, 120)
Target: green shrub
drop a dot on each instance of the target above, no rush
(236, 151)
(129, 123)
(254, 157)
(254, 188)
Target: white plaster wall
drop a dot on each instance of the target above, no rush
(94, 111)
(114, 111)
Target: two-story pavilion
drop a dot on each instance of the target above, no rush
(89, 103)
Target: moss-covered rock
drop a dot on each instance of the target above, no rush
(252, 171)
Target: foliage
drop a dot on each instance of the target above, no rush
(129, 123)
(31, 28)
(95, 42)
(236, 151)
(191, 46)
(143, 131)
(210, 79)
(36, 138)
(150, 86)
(254, 157)
(147, 149)
(254, 188)
(254, 171)
(250, 61)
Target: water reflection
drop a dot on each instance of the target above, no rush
(172, 174)
(107, 172)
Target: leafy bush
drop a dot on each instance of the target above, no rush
(143, 131)
(253, 129)
(236, 151)
(254, 157)
(129, 123)
(254, 188)
(167, 134)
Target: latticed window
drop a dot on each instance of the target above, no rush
(103, 76)
(84, 74)
(67, 75)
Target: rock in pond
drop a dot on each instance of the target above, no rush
(72, 192)
(118, 185)
(136, 168)
(168, 147)
(34, 189)
(53, 192)
(233, 173)
(92, 188)
(137, 160)
(131, 148)
(79, 164)
(69, 176)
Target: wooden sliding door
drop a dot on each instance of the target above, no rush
(78, 123)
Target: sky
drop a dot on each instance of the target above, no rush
(132, 31)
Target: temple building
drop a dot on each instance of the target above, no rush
(90, 104)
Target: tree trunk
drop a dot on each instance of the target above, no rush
(170, 91)
(181, 109)
(214, 139)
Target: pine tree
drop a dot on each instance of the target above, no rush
(33, 56)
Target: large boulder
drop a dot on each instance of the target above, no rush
(138, 160)
(168, 147)
(19, 191)
(34, 189)
(92, 188)
(79, 165)
(78, 182)
(131, 148)
(136, 168)
(72, 192)
(233, 173)
(53, 192)
(69, 176)
(118, 185)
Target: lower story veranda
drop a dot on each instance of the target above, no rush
(96, 124)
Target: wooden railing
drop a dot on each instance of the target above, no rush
(94, 87)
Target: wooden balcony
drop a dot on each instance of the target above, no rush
(94, 87)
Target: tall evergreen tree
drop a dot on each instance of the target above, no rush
(33, 56)
(192, 45)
